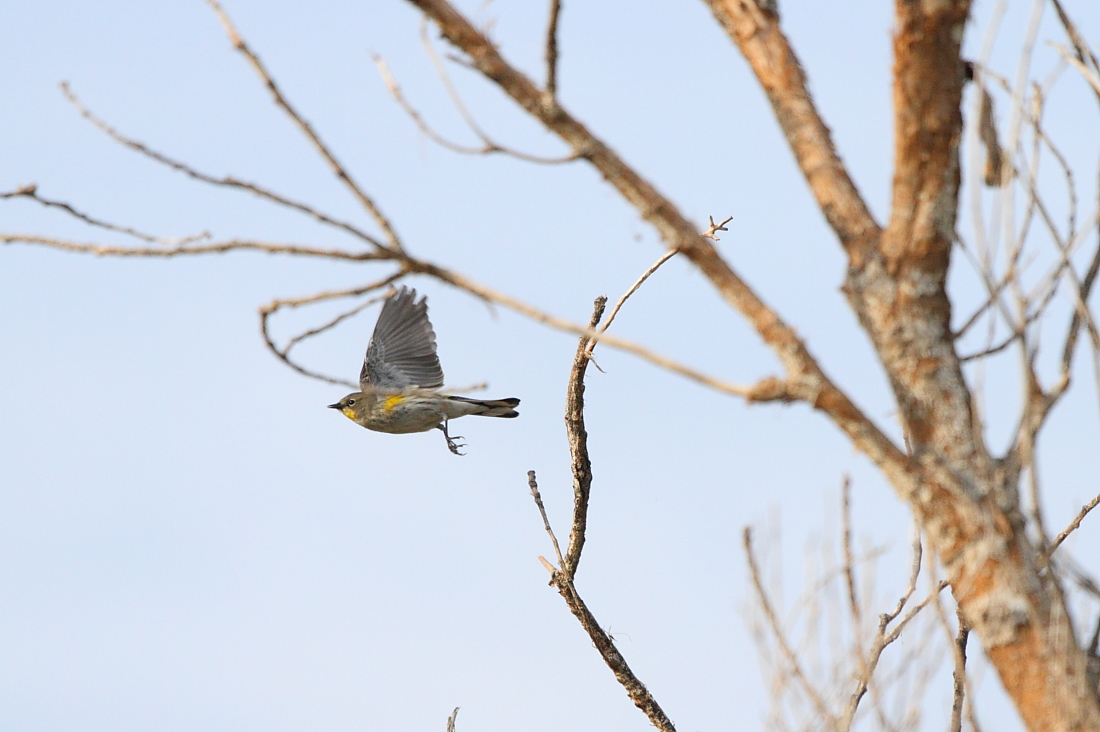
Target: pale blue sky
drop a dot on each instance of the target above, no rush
(189, 540)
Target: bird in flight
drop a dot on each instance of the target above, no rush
(401, 376)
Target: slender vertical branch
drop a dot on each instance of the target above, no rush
(849, 570)
(552, 49)
(959, 675)
(578, 446)
(784, 647)
(532, 483)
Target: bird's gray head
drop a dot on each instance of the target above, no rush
(352, 406)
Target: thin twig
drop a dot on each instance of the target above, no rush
(532, 483)
(1075, 322)
(31, 192)
(283, 353)
(1034, 496)
(773, 621)
(990, 301)
(712, 230)
(552, 49)
(1091, 77)
(914, 573)
(633, 288)
(952, 636)
(395, 91)
(896, 632)
(869, 662)
(992, 350)
(393, 242)
(846, 539)
(959, 674)
(187, 249)
(227, 182)
(451, 720)
(1074, 525)
(710, 233)
(329, 325)
(491, 146)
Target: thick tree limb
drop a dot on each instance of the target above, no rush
(805, 376)
(755, 30)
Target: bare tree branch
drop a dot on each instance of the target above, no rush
(31, 192)
(805, 376)
(187, 249)
(1074, 525)
(884, 636)
(227, 182)
(849, 562)
(605, 644)
(633, 288)
(754, 27)
(578, 446)
(490, 145)
(959, 675)
(532, 483)
(283, 354)
(563, 579)
(393, 243)
(552, 49)
(780, 638)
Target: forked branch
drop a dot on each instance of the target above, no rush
(562, 577)
(393, 243)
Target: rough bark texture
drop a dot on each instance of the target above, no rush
(967, 500)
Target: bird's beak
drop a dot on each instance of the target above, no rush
(334, 406)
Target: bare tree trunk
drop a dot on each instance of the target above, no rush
(967, 500)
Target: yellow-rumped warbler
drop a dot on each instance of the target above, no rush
(401, 374)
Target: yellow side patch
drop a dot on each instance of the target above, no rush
(392, 402)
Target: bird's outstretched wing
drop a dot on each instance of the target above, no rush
(401, 353)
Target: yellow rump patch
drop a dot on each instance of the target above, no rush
(392, 402)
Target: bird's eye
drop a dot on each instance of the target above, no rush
(350, 402)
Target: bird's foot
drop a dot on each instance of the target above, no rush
(453, 443)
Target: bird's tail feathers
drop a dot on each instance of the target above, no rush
(492, 407)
